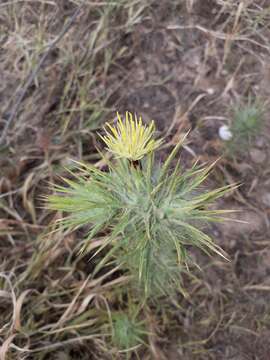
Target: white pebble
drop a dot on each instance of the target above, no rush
(210, 91)
(225, 133)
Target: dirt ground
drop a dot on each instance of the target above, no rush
(186, 64)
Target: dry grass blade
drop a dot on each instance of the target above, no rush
(18, 308)
(23, 89)
(5, 347)
(68, 313)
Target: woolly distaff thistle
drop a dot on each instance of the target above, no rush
(150, 214)
(130, 139)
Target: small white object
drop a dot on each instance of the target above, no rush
(225, 133)
(210, 91)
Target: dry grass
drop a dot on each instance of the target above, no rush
(168, 61)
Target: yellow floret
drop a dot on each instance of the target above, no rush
(130, 139)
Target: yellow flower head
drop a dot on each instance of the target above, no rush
(130, 139)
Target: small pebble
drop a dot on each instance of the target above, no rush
(257, 156)
(225, 133)
(260, 142)
(210, 91)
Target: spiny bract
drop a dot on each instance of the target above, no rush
(130, 139)
(150, 214)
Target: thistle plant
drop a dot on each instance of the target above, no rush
(127, 332)
(247, 123)
(151, 214)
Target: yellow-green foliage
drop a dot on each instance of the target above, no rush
(247, 123)
(151, 215)
(130, 139)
